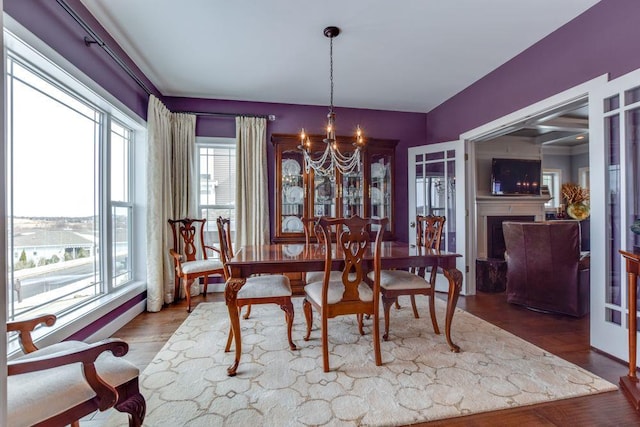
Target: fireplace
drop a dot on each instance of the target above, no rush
(495, 238)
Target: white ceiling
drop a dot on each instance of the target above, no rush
(402, 55)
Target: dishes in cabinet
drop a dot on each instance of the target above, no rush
(324, 191)
(292, 224)
(377, 170)
(377, 196)
(290, 167)
(294, 194)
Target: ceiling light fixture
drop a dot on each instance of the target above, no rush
(580, 137)
(331, 159)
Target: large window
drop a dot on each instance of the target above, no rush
(216, 182)
(69, 191)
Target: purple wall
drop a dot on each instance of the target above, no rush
(52, 24)
(408, 128)
(602, 40)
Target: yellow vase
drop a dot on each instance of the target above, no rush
(578, 211)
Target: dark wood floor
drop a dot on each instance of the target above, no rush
(563, 336)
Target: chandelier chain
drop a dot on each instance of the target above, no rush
(331, 72)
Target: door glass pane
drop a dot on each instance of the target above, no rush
(612, 141)
(451, 204)
(612, 103)
(632, 96)
(633, 186)
(381, 187)
(421, 207)
(435, 192)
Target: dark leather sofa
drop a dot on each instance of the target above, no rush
(545, 268)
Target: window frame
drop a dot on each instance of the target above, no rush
(39, 54)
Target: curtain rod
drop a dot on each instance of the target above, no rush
(95, 38)
(270, 117)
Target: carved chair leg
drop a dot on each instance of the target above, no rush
(398, 307)
(413, 305)
(229, 340)
(288, 314)
(325, 344)
(187, 293)
(206, 284)
(386, 304)
(75, 424)
(132, 402)
(432, 300)
(248, 313)
(308, 315)
(360, 318)
(432, 311)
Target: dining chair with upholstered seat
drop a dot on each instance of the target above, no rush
(353, 292)
(190, 255)
(312, 232)
(394, 283)
(265, 289)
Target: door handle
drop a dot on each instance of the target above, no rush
(412, 225)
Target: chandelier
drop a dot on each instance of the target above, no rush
(331, 159)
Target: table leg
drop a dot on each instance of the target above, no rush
(455, 285)
(230, 294)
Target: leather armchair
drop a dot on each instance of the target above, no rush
(545, 268)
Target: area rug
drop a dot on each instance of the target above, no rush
(421, 380)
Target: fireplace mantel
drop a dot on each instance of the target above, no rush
(510, 206)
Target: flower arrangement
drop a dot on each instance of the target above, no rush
(573, 193)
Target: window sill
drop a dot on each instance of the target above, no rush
(70, 323)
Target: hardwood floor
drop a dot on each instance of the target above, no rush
(563, 336)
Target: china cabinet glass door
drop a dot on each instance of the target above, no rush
(292, 192)
(324, 196)
(381, 187)
(352, 194)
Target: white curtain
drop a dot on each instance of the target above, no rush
(171, 141)
(252, 193)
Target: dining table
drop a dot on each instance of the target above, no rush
(290, 258)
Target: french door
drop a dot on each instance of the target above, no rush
(614, 115)
(437, 187)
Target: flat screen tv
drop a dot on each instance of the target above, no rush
(513, 177)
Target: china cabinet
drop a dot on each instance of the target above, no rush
(303, 194)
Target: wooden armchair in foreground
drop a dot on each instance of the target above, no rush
(59, 384)
(190, 256)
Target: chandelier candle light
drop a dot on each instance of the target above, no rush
(331, 159)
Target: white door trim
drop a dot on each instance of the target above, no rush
(497, 126)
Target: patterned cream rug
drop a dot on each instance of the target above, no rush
(420, 380)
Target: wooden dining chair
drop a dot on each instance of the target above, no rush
(394, 283)
(352, 293)
(190, 255)
(312, 232)
(264, 289)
